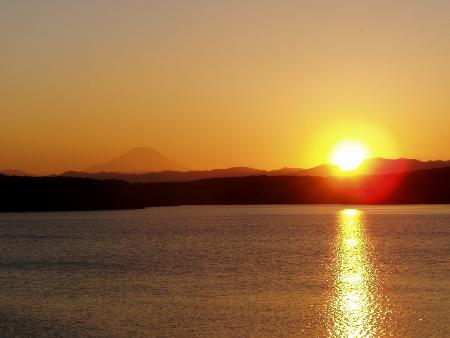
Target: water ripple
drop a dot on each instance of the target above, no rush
(356, 309)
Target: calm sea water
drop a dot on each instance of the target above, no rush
(204, 271)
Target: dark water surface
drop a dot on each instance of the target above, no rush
(204, 271)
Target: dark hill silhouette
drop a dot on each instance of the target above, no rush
(13, 172)
(381, 166)
(138, 160)
(320, 170)
(69, 193)
(285, 172)
(373, 166)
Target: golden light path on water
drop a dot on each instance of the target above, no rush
(355, 309)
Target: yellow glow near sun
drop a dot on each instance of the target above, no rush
(348, 155)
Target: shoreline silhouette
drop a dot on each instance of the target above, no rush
(59, 193)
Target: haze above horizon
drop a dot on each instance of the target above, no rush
(212, 85)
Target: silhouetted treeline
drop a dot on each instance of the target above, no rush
(64, 193)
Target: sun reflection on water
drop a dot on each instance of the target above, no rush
(355, 309)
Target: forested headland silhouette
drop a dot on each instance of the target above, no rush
(71, 193)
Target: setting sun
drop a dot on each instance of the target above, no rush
(348, 155)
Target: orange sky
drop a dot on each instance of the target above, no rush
(210, 84)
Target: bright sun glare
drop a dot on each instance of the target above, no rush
(348, 155)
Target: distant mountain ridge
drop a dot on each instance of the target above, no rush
(170, 175)
(371, 166)
(138, 160)
(380, 166)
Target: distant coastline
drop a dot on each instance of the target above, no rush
(59, 193)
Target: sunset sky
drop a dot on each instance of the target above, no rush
(216, 84)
